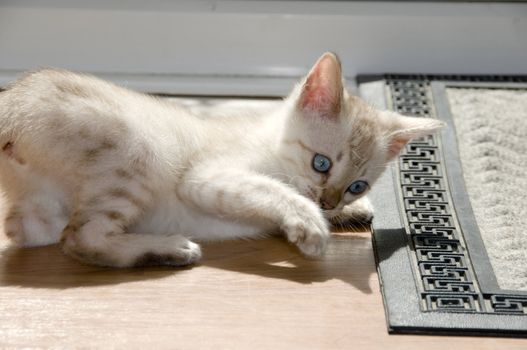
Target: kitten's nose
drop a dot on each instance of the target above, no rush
(327, 206)
(330, 198)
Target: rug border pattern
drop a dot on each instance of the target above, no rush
(455, 286)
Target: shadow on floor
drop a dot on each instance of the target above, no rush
(47, 267)
(349, 258)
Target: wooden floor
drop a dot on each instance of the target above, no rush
(243, 295)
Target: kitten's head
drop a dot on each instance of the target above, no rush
(335, 145)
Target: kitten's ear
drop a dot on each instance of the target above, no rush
(403, 129)
(322, 90)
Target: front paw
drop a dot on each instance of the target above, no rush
(360, 211)
(309, 231)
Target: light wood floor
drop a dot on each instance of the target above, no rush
(243, 295)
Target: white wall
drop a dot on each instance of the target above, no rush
(213, 46)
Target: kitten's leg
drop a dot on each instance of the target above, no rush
(96, 233)
(36, 220)
(255, 197)
(92, 244)
(360, 211)
(37, 210)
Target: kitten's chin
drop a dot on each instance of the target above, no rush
(331, 214)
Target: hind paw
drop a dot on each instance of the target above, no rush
(186, 254)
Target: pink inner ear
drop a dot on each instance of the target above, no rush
(318, 97)
(321, 91)
(396, 145)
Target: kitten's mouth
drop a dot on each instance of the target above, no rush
(330, 214)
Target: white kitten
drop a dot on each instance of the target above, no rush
(125, 179)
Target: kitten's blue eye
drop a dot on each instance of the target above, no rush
(358, 187)
(321, 163)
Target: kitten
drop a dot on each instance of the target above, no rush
(125, 179)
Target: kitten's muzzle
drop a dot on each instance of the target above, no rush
(327, 206)
(330, 198)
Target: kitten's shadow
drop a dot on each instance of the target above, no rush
(349, 258)
(47, 267)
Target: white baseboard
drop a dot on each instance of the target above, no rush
(225, 46)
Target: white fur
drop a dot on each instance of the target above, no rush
(201, 178)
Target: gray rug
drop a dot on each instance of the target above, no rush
(491, 125)
(449, 225)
